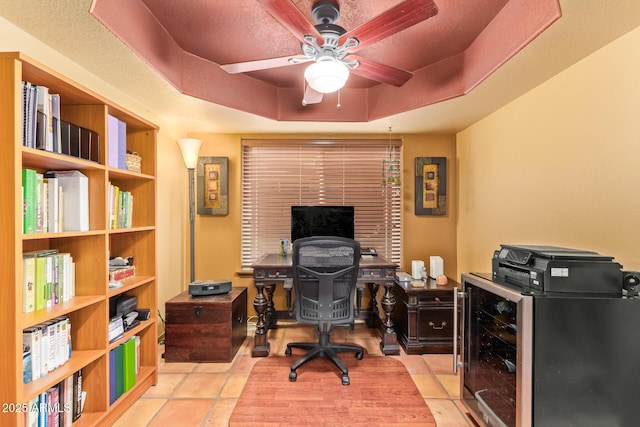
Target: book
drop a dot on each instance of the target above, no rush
(53, 406)
(42, 413)
(75, 202)
(29, 200)
(77, 395)
(122, 145)
(119, 375)
(40, 257)
(85, 143)
(28, 284)
(31, 338)
(26, 365)
(68, 401)
(52, 203)
(128, 364)
(44, 138)
(31, 414)
(112, 376)
(55, 122)
(39, 203)
(112, 140)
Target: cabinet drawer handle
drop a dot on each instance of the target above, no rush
(437, 300)
(198, 310)
(442, 325)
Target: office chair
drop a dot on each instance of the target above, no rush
(325, 270)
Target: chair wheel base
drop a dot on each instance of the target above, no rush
(345, 379)
(359, 355)
(287, 352)
(294, 376)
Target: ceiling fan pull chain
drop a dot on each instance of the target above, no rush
(339, 105)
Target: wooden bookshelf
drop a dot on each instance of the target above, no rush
(88, 311)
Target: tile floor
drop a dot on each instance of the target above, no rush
(204, 394)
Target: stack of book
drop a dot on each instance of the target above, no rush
(59, 405)
(48, 279)
(45, 347)
(120, 207)
(124, 365)
(42, 127)
(55, 201)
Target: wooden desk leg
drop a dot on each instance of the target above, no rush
(389, 343)
(374, 318)
(271, 311)
(260, 340)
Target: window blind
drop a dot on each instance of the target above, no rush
(279, 174)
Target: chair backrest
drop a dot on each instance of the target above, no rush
(325, 271)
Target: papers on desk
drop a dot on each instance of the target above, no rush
(366, 257)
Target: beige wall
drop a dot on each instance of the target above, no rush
(558, 165)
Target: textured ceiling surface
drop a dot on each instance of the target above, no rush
(70, 31)
(448, 54)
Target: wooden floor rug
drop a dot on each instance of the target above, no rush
(381, 393)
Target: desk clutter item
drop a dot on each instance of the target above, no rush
(417, 284)
(207, 328)
(200, 288)
(436, 267)
(403, 276)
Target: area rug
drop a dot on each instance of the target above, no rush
(381, 393)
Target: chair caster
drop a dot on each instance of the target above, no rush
(287, 352)
(345, 379)
(359, 355)
(294, 376)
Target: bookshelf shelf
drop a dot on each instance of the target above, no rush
(74, 304)
(88, 309)
(79, 360)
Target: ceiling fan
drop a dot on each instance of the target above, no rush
(331, 48)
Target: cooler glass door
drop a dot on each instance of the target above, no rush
(493, 367)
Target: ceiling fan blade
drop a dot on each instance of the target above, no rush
(379, 72)
(293, 20)
(263, 64)
(394, 20)
(311, 96)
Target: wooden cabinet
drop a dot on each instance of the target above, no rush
(205, 328)
(423, 317)
(88, 310)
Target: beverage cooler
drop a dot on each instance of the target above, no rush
(562, 354)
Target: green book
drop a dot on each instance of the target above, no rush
(40, 282)
(41, 278)
(29, 201)
(129, 364)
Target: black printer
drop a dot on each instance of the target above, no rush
(534, 268)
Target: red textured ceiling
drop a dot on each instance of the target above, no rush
(449, 53)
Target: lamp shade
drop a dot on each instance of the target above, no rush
(190, 148)
(326, 76)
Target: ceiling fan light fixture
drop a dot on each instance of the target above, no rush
(326, 76)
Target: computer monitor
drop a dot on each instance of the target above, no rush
(307, 221)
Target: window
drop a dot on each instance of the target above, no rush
(279, 174)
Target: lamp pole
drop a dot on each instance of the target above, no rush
(192, 221)
(190, 148)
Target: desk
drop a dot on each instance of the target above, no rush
(273, 269)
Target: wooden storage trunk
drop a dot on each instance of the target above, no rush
(206, 328)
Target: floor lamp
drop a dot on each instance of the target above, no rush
(190, 148)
